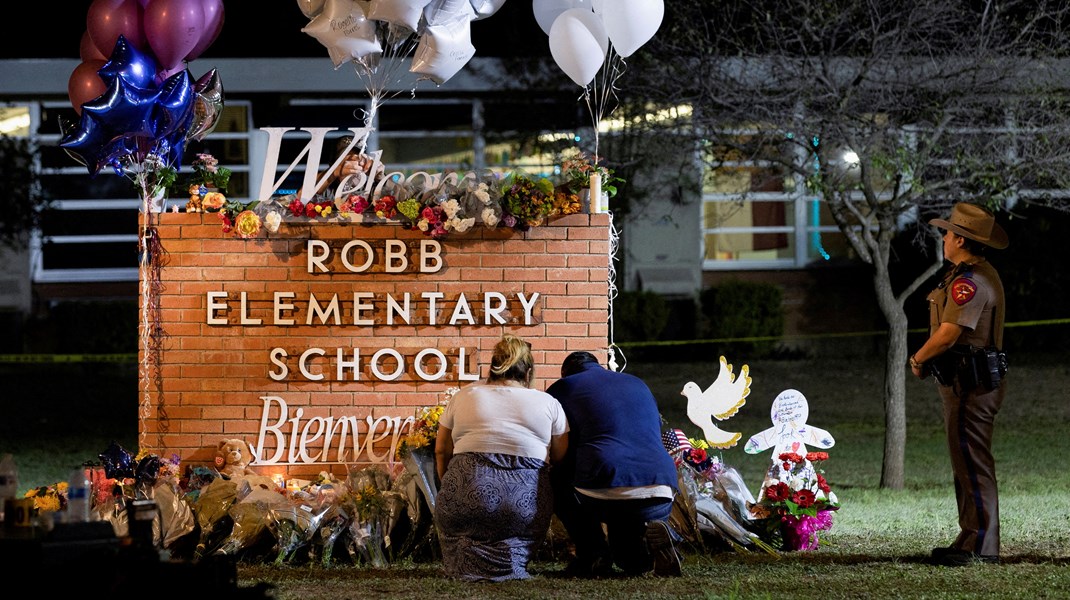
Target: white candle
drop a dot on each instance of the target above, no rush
(596, 193)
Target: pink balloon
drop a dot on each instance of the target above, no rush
(172, 28)
(87, 50)
(84, 84)
(106, 20)
(213, 24)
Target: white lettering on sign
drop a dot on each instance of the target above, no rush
(357, 256)
(386, 364)
(323, 440)
(371, 308)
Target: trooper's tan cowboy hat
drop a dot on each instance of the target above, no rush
(974, 222)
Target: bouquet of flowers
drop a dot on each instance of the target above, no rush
(423, 431)
(367, 504)
(294, 525)
(352, 204)
(526, 200)
(796, 502)
(577, 168)
(212, 509)
(250, 516)
(715, 498)
(49, 498)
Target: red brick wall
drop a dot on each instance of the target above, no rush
(213, 377)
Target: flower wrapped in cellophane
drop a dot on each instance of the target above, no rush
(329, 496)
(367, 506)
(250, 516)
(714, 501)
(212, 508)
(294, 525)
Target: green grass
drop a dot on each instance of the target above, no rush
(876, 549)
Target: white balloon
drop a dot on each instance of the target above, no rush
(311, 8)
(485, 8)
(444, 48)
(578, 43)
(631, 23)
(404, 13)
(445, 11)
(344, 30)
(547, 11)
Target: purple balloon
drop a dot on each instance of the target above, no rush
(213, 24)
(134, 66)
(173, 28)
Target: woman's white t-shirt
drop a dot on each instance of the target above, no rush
(501, 419)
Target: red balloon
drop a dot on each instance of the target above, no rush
(87, 50)
(84, 84)
(108, 19)
(173, 28)
(213, 24)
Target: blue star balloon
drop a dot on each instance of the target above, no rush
(87, 142)
(174, 110)
(125, 109)
(130, 64)
(118, 463)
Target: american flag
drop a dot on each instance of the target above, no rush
(675, 442)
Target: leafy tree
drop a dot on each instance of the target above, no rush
(940, 101)
(21, 203)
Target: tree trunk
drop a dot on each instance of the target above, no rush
(895, 423)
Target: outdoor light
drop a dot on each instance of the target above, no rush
(850, 158)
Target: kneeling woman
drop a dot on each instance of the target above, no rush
(495, 443)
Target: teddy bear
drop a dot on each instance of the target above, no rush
(232, 457)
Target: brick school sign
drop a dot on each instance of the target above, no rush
(319, 343)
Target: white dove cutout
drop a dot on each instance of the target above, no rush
(790, 432)
(721, 400)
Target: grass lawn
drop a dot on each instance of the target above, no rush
(876, 549)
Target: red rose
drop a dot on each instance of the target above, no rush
(696, 455)
(804, 498)
(822, 484)
(297, 208)
(791, 457)
(817, 456)
(777, 492)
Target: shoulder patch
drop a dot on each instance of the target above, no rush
(962, 290)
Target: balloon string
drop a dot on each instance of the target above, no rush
(601, 95)
(153, 257)
(614, 243)
(378, 72)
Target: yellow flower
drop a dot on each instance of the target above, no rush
(247, 224)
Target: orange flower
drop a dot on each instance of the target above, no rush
(247, 224)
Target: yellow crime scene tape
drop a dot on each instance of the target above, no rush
(132, 358)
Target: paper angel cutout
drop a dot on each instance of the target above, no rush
(721, 400)
(790, 432)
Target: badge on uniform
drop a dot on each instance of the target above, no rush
(962, 290)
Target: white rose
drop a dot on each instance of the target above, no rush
(450, 207)
(490, 218)
(272, 221)
(463, 225)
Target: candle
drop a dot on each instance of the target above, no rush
(596, 193)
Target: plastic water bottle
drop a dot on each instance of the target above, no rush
(78, 496)
(9, 482)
